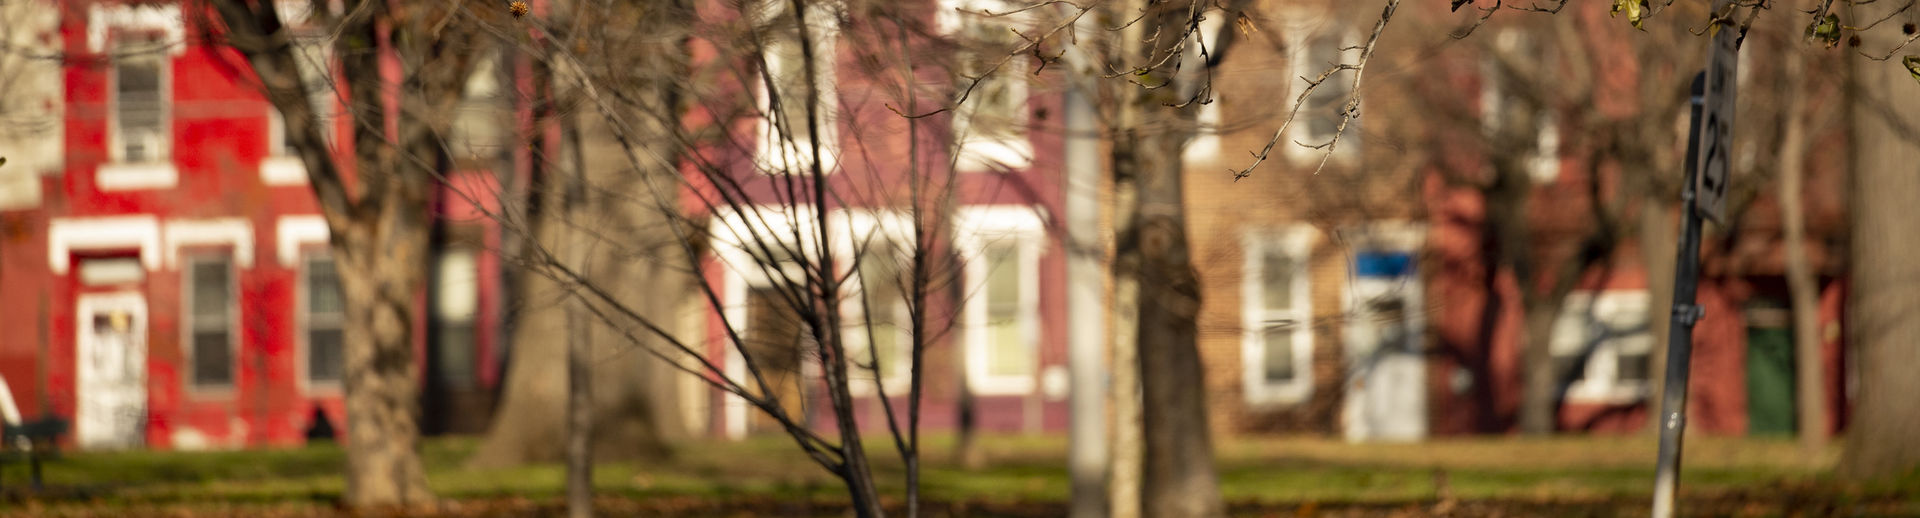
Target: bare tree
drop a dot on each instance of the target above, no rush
(378, 217)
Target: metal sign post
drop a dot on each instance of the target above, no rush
(1673, 404)
(1709, 149)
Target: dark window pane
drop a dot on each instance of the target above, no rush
(325, 360)
(211, 293)
(1278, 364)
(1634, 367)
(212, 359)
(323, 288)
(453, 345)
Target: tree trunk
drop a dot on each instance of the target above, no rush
(1884, 326)
(1802, 284)
(381, 272)
(1124, 499)
(1540, 389)
(1179, 476)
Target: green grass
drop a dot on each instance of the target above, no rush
(1275, 472)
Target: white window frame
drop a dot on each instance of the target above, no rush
(974, 152)
(1543, 161)
(303, 313)
(775, 154)
(979, 226)
(880, 232)
(65, 235)
(189, 326)
(1305, 28)
(1572, 332)
(1296, 241)
(158, 171)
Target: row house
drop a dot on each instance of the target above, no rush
(166, 278)
(1002, 365)
(1363, 301)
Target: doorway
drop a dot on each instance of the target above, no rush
(111, 370)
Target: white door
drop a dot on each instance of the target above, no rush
(112, 371)
(1386, 397)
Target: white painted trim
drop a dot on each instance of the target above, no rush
(64, 235)
(1572, 331)
(1302, 28)
(234, 232)
(872, 228)
(776, 154)
(282, 171)
(164, 18)
(1295, 240)
(122, 176)
(979, 154)
(976, 227)
(292, 232)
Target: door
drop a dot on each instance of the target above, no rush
(1386, 396)
(1770, 369)
(112, 370)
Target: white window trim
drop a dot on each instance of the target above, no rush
(1303, 27)
(892, 229)
(117, 174)
(983, 154)
(1296, 240)
(977, 227)
(65, 235)
(775, 154)
(1600, 383)
(164, 19)
(1543, 162)
(302, 325)
(234, 233)
(291, 233)
(187, 324)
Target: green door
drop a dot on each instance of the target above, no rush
(1770, 399)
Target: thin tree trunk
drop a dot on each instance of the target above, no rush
(1885, 112)
(1124, 493)
(1802, 285)
(579, 350)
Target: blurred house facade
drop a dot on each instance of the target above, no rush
(1366, 301)
(166, 280)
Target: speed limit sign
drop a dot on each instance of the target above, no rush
(1716, 126)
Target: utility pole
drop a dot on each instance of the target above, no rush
(1086, 289)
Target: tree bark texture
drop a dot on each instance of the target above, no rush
(1179, 478)
(1884, 319)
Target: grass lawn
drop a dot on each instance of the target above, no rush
(1024, 476)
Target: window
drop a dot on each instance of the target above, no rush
(140, 100)
(1002, 246)
(1321, 112)
(1277, 313)
(1602, 342)
(314, 61)
(456, 302)
(787, 139)
(882, 306)
(1205, 145)
(325, 322)
(209, 327)
(480, 126)
(990, 122)
(1532, 122)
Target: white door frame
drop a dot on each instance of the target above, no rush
(86, 430)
